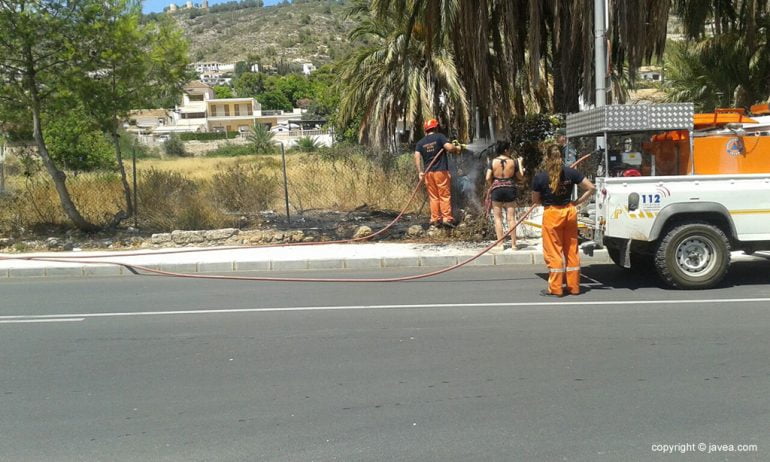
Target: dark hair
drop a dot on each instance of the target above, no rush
(502, 146)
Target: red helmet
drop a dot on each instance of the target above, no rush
(430, 124)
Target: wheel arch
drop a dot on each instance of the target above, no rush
(711, 212)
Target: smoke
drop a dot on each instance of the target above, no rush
(470, 186)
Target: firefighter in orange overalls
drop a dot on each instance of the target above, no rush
(437, 179)
(553, 189)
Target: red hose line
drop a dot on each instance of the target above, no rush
(137, 268)
(268, 246)
(285, 279)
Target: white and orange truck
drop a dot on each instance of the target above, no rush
(676, 191)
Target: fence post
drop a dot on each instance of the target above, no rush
(136, 204)
(285, 184)
(2, 165)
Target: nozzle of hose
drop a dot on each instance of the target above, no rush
(460, 145)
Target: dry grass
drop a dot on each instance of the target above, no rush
(199, 193)
(193, 168)
(314, 183)
(35, 202)
(345, 184)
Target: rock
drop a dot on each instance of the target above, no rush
(52, 243)
(344, 230)
(161, 238)
(220, 234)
(187, 237)
(415, 231)
(277, 236)
(297, 236)
(308, 239)
(68, 246)
(5, 242)
(362, 232)
(435, 232)
(132, 230)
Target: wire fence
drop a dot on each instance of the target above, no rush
(200, 193)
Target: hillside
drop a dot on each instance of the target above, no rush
(313, 31)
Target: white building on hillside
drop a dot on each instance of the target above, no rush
(201, 111)
(307, 68)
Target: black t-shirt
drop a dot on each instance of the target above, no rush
(429, 147)
(541, 182)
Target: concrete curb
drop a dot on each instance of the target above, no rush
(32, 269)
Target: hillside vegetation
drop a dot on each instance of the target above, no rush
(309, 31)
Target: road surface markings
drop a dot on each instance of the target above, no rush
(557, 303)
(35, 319)
(593, 282)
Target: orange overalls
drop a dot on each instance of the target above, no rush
(439, 189)
(560, 242)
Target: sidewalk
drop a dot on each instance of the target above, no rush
(364, 256)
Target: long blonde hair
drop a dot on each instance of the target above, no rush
(553, 166)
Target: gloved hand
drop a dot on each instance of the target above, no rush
(459, 145)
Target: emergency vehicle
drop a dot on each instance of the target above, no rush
(676, 192)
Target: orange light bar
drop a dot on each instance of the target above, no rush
(717, 118)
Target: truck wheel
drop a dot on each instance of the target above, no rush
(638, 261)
(614, 254)
(693, 256)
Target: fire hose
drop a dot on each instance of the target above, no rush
(138, 269)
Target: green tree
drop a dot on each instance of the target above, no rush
(274, 99)
(128, 65)
(223, 91)
(293, 86)
(261, 139)
(529, 55)
(76, 142)
(401, 76)
(249, 84)
(38, 43)
(325, 91)
(727, 67)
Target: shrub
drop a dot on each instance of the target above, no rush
(261, 140)
(174, 146)
(129, 146)
(245, 188)
(231, 150)
(307, 144)
(169, 201)
(208, 136)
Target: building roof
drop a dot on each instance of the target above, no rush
(224, 100)
(196, 84)
(148, 113)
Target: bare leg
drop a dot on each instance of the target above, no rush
(497, 212)
(510, 212)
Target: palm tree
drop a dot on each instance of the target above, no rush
(724, 68)
(261, 140)
(515, 54)
(401, 76)
(307, 144)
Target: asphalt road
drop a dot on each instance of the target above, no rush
(471, 366)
